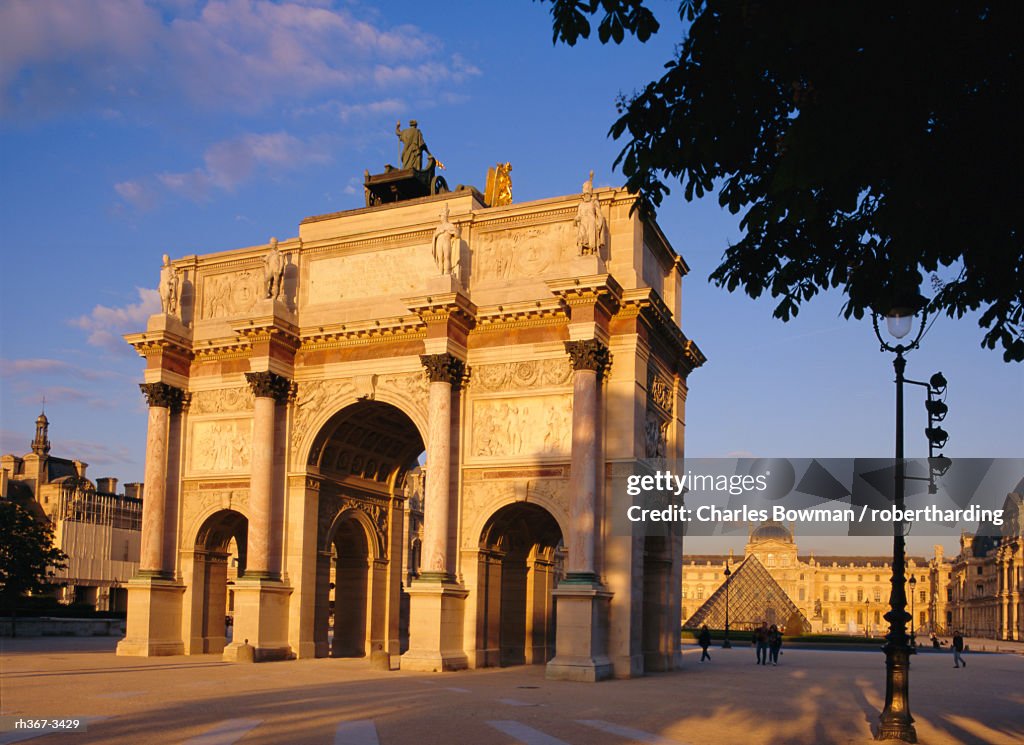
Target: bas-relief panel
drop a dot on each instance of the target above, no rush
(399, 272)
(231, 293)
(523, 426)
(220, 445)
(221, 401)
(526, 252)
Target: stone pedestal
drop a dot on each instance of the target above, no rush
(436, 621)
(261, 621)
(154, 618)
(587, 266)
(165, 323)
(443, 284)
(582, 640)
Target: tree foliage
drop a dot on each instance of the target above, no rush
(27, 554)
(867, 145)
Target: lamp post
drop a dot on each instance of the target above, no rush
(867, 618)
(726, 644)
(896, 720)
(913, 613)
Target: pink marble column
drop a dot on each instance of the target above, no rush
(262, 561)
(162, 400)
(445, 374)
(590, 359)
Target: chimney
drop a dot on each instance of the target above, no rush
(133, 490)
(80, 468)
(107, 485)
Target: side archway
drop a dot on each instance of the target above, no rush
(519, 564)
(218, 558)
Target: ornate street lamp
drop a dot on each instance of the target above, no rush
(726, 644)
(913, 614)
(896, 721)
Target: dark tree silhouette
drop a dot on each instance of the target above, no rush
(868, 145)
(27, 555)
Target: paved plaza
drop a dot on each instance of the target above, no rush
(813, 696)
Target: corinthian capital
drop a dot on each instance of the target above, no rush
(589, 354)
(443, 368)
(269, 385)
(163, 395)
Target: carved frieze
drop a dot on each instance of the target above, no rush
(517, 427)
(659, 391)
(222, 401)
(507, 376)
(396, 271)
(481, 499)
(220, 445)
(525, 252)
(313, 398)
(231, 293)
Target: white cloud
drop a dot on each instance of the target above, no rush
(227, 164)
(41, 366)
(106, 325)
(234, 54)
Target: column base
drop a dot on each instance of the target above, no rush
(261, 621)
(436, 617)
(581, 636)
(154, 618)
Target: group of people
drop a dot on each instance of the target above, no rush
(767, 640)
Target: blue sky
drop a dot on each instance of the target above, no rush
(129, 129)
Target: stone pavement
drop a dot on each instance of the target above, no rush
(819, 697)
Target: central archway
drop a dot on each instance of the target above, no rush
(361, 456)
(520, 563)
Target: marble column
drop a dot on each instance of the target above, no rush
(162, 400)
(582, 603)
(445, 374)
(590, 359)
(436, 601)
(262, 561)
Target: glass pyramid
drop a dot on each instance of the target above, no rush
(754, 597)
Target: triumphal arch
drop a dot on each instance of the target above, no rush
(527, 355)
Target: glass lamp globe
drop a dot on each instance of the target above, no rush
(899, 322)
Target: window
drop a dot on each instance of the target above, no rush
(842, 577)
(981, 570)
(878, 617)
(922, 618)
(860, 577)
(803, 594)
(801, 578)
(770, 560)
(979, 589)
(922, 596)
(824, 594)
(878, 578)
(860, 594)
(684, 596)
(860, 618)
(842, 594)
(878, 595)
(842, 615)
(824, 616)
(949, 594)
(700, 592)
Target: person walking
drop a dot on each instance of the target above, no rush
(761, 642)
(704, 640)
(774, 643)
(958, 649)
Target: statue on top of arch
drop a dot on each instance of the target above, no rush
(591, 227)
